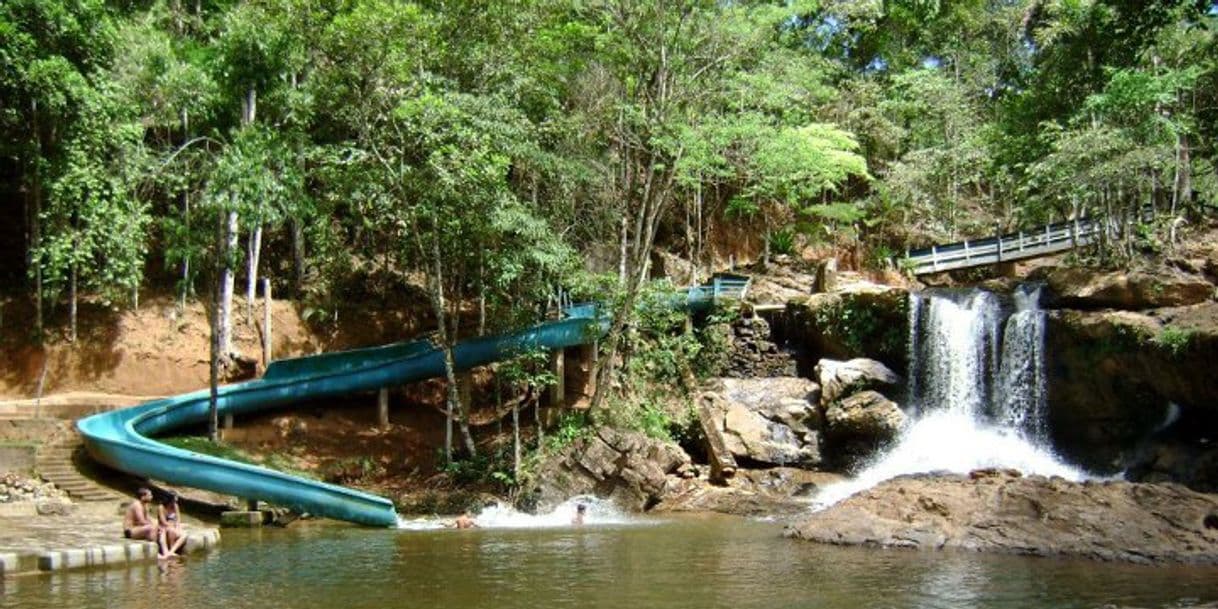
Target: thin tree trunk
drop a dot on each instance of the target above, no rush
(765, 256)
(453, 404)
(298, 254)
(186, 215)
(622, 257)
(72, 305)
(36, 224)
(255, 250)
(481, 294)
(535, 395)
(227, 245)
(217, 338)
(516, 439)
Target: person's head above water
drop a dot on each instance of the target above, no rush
(580, 508)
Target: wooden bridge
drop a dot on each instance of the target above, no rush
(1022, 245)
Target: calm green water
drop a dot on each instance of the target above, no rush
(702, 562)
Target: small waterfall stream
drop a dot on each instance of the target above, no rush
(976, 391)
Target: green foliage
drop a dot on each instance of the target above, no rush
(1175, 341)
(861, 327)
(783, 241)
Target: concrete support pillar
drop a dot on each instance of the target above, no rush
(382, 408)
(558, 392)
(228, 421)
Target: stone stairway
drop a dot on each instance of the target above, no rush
(63, 461)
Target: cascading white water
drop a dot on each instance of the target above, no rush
(1021, 389)
(976, 391)
(501, 516)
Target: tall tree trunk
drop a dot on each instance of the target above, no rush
(36, 223)
(298, 254)
(535, 396)
(72, 304)
(1182, 186)
(255, 251)
(216, 295)
(453, 406)
(765, 256)
(482, 294)
(516, 439)
(226, 246)
(186, 215)
(622, 254)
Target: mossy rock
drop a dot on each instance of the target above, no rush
(871, 323)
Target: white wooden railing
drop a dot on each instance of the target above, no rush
(1050, 239)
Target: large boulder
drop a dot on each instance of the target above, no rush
(1001, 511)
(862, 320)
(841, 379)
(859, 426)
(1079, 288)
(769, 422)
(674, 268)
(1114, 376)
(630, 469)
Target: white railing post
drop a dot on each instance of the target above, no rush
(934, 257)
(1021, 242)
(966, 250)
(999, 247)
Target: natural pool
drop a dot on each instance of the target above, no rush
(676, 561)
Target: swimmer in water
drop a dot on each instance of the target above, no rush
(465, 521)
(581, 510)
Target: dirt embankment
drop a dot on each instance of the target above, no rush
(161, 349)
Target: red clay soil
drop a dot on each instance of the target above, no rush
(159, 350)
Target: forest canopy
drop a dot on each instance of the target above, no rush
(483, 149)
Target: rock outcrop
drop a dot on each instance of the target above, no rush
(841, 379)
(1114, 376)
(768, 422)
(865, 320)
(779, 491)
(1079, 288)
(753, 354)
(859, 426)
(632, 470)
(1001, 511)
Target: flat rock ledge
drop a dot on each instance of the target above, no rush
(109, 555)
(1002, 511)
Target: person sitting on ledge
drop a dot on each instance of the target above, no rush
(137, 525)
(170, 521)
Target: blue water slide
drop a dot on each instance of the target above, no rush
(122, 440)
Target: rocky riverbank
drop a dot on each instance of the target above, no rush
(1002, 511)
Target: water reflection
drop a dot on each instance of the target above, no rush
(705, 562)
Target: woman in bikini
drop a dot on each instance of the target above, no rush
(170, 520)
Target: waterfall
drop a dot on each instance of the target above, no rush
(976, 391)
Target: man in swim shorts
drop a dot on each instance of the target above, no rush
(137, 524)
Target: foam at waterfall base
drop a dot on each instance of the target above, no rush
(954, 442)
(503, 516)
